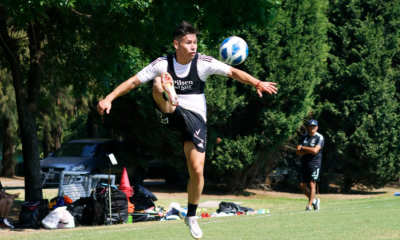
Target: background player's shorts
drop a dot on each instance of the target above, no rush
(191, 125)
(308, 174)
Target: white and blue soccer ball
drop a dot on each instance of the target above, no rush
(234, 50)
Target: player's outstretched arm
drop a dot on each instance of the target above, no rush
(243, 77)
(123, 88)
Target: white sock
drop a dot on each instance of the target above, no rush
(315, 201)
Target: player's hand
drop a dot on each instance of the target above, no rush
(268, 87)
(104, 105)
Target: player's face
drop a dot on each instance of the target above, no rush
(312, 129)
(186, 48)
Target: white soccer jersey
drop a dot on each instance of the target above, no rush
(206, 66)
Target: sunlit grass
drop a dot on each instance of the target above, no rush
(361, 218)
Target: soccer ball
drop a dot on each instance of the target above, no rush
(233, 50)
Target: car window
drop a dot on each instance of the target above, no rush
(79, 150)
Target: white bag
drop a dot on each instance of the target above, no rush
(59, 218)
(66, 220)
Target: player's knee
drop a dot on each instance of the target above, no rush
(157, 83)
(157, 88)
(197, 172)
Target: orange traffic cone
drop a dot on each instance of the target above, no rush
(124, 185)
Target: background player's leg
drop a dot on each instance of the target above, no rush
(3, 208)
(305, 190)
(158, 92)
(312, 192)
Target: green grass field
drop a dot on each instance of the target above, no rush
(362, 218)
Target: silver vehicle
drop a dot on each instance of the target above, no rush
(91, 156)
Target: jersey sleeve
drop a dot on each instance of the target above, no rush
(321, 141)
(208, 66)
(154, 69)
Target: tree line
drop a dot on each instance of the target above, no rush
(336, 61)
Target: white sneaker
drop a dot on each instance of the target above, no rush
(169, 90)
(316, 204)
(194, 227)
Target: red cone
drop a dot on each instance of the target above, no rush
(124, 185)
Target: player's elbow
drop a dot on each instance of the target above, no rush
(134, 84)
(314, 152)
(236, 74)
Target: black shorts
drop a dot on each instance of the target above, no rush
(308, 174)
(191, 125)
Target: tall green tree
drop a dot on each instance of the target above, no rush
(357, 104)
(26, 96)
(291, 51)
(79, 43)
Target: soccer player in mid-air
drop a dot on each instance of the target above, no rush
(178, 91)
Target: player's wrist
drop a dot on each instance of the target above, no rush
(110, 98)
(258, 84)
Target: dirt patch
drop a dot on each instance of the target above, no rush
(15, 181)
(212, 191)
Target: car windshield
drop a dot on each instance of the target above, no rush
(79, 150)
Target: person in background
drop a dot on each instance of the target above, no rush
(310, 148)
(6, 202)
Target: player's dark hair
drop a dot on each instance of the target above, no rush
(183, 29)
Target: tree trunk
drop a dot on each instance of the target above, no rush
(46, 146)
(56, 135)
(26, 99)
(346, 186)
(8, 150)
(91, 126)
(50, 145)
(324, 180)
(235, 182)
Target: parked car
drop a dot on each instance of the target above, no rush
(91, 155)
